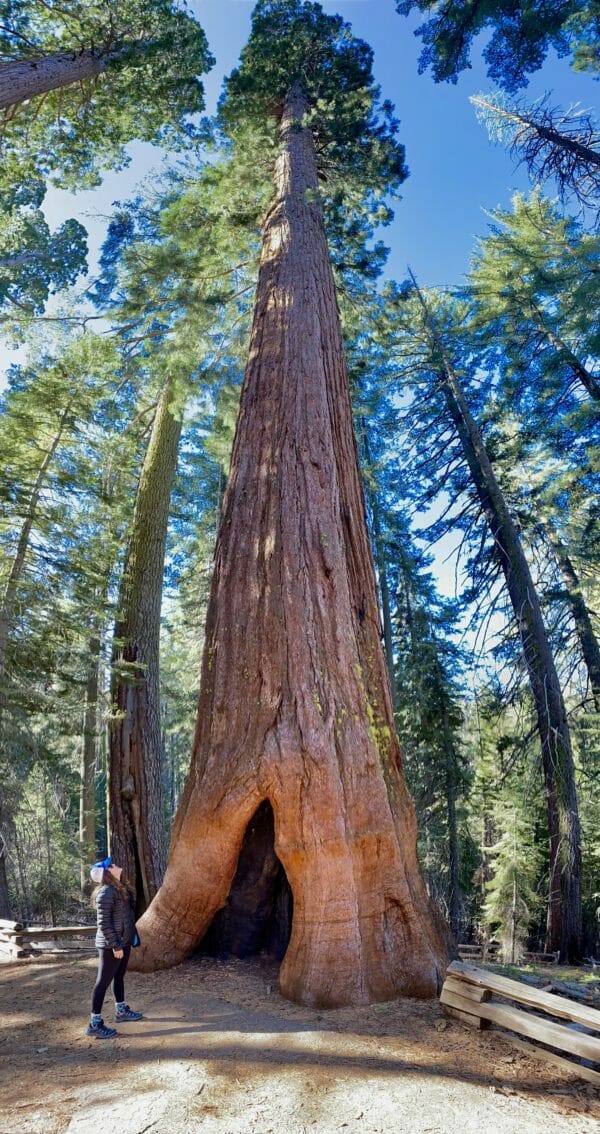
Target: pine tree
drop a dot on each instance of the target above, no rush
(77, 85)
(535, 282)
(294, 702)
(521, 35)
(564, 914)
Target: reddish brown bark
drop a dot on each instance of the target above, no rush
(294, 703)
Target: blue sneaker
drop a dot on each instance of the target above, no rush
(126, 1015)
(100, 1031)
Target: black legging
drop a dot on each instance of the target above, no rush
(110, 968)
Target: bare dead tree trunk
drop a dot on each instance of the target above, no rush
(24, 79)
(564, 908)
(294, 701)
(138, 840)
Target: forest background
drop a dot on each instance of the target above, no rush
(158, 326)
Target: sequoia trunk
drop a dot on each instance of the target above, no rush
(24, 79)
(295, 705)
(138, 840)
(564, 908)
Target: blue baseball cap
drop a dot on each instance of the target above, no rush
(97, 871)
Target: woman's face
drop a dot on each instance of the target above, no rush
(116, 871)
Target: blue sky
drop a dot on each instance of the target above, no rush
(455, 173)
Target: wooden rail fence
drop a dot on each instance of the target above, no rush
(16, 938)
(491, 952)
(468, 994)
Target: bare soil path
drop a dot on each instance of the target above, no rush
(221, 1052)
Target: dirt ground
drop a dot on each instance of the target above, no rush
(221, 1052)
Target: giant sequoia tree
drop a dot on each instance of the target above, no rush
(295, 730)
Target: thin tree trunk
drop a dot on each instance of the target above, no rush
(10, 589)
(24, 79)
(87, 789)
(564, 911)
(454, 898)
(4, 891)
(294, 700)
(137, 828)
(49, 857)
(384, 590)
(588, 380)
(588, 642)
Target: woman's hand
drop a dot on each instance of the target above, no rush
(118, 953)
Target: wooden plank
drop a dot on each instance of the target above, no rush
(14, 925)
(39, 933)
(466, 1018)
(527, 994)
(11, 938)
(526, 1024)
(540, 1053)
(10, 950)
(469, 991)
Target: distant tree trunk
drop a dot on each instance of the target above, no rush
(24, 79)
(454, 896)
(138, 840)
(10, 588)
(580, 614)
(564, 908)
(4, 892)
(384, 590)
(294, 704)
(588, 380)
(87, 789)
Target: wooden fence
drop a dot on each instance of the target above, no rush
(468, 996)
(16, 939)
(491, 952)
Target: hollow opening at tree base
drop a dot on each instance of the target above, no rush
(258, 915)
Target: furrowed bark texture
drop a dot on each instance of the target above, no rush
(294, 702)
(24, 79)
(564, 931)
(138, 841)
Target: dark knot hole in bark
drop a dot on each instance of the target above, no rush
(258, 915)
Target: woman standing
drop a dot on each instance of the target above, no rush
(115, 935)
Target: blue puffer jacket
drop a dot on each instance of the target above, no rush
(116, 919)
